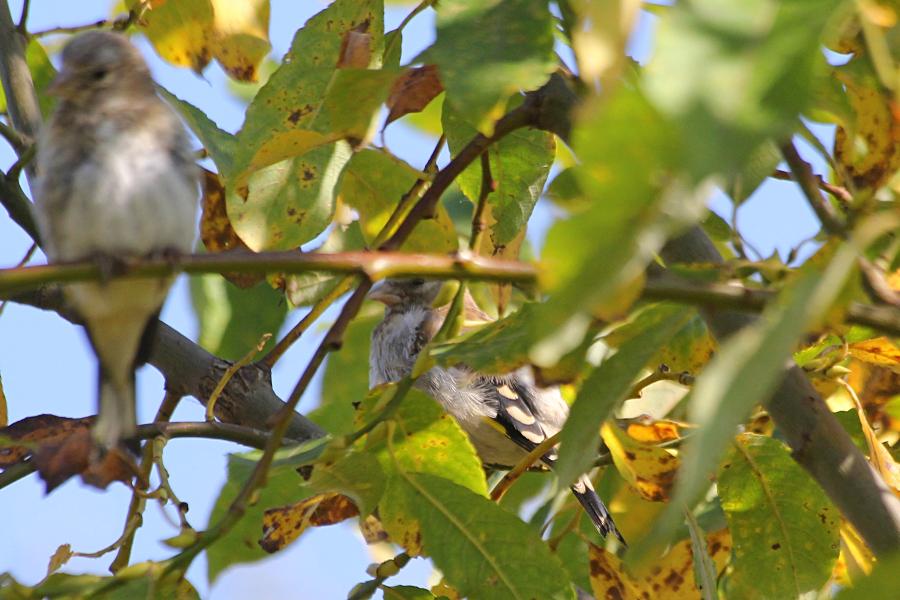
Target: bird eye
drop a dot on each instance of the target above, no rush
(98, 74)
(417, 282)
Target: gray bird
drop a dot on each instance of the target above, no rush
(116, 179)
(505, 416)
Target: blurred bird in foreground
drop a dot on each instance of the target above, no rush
(116, 179)
(505, 416)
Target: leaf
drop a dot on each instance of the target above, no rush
(878, 351)
(290, 202)
(405, 592)
(357, 475)
(705, 572)
(482, 550)
(671, 577)
(284, 524)
(781, 521)
(220, 144)
(758, 167)
(241, 36)
(759, 59)
(308, 288)
(488, 50)
(140, 580)
(520, 164)
(59, 558)
(373, 183)
(310, 101)
(880, 584)
(608, 385)
(690, 349)
(649, 469)
(232, 320)
(413, 91)
(42, 73)
(189, 33)
(36, 430)
(216, 231)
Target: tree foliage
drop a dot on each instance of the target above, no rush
(538, 102)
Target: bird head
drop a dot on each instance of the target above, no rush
(97, 62)
(413, 291)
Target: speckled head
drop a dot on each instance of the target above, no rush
(397, 293)
(95, 63)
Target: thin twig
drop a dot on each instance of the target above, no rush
(529, 459)
(137, 503)
(662, 373)
(31, 250)
(158, 444)
(120, 23)
(21, 97)
(23, 18)
(488, 185)
(229, 373)
(16, 140)
(841, 194)
(806, 179)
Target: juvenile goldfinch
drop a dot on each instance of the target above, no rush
(505, 416)
(116, 179)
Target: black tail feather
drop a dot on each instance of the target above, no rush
(596, 510)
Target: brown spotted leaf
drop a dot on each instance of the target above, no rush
(412, 91)
(39, 429)
(216, 231)
(649, 469)
(670, 577)
(284, 524)
(879, 351)
(649, 431)
(77, 454)
(356, 48)
(240, 36)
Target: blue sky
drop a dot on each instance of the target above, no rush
(46, 365)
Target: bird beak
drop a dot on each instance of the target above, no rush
(380, 294)
(61, 85)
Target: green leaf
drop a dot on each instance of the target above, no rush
(756, 169)
(405, 592)
(308, 288)
(232, 320)
(487, 50)
(781, 522)
(220, 144)
(590, 258)
(373, 183)
(483, 551)
(732, 73)
(146, 580)
(608, 385)
(283, 486)
(705, 572)
(520, 164)
(42, 73)
(428, 440)
(287, 203)
(311, 101)
(565, 192)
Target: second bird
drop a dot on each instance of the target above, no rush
(116, 179)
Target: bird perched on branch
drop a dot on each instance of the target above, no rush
(505, 416)
(116, 180)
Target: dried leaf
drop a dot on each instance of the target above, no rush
(356, 48)
(77, 454)
(879, 351)
(669, 578)
(216, 231)
(372, 531)
(39, 429)
(649, 431)
(59, 558)
(412, 91)
(284, 524)
(649, 469)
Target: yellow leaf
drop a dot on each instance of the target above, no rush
(669, 578)
(241, 36)
(649, 469)
(284, 524)
(59, 558)
(880, 458)
(879, 351)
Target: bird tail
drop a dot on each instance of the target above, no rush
(117, 418)
(595, 509)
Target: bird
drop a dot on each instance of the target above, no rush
(116, 180)
(504, 415)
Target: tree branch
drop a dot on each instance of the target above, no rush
(22, 102)
(373, 265)
(809, 184)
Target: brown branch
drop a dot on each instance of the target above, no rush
(373, 265)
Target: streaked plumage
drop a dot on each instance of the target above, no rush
(116, 178)
(505, 415)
